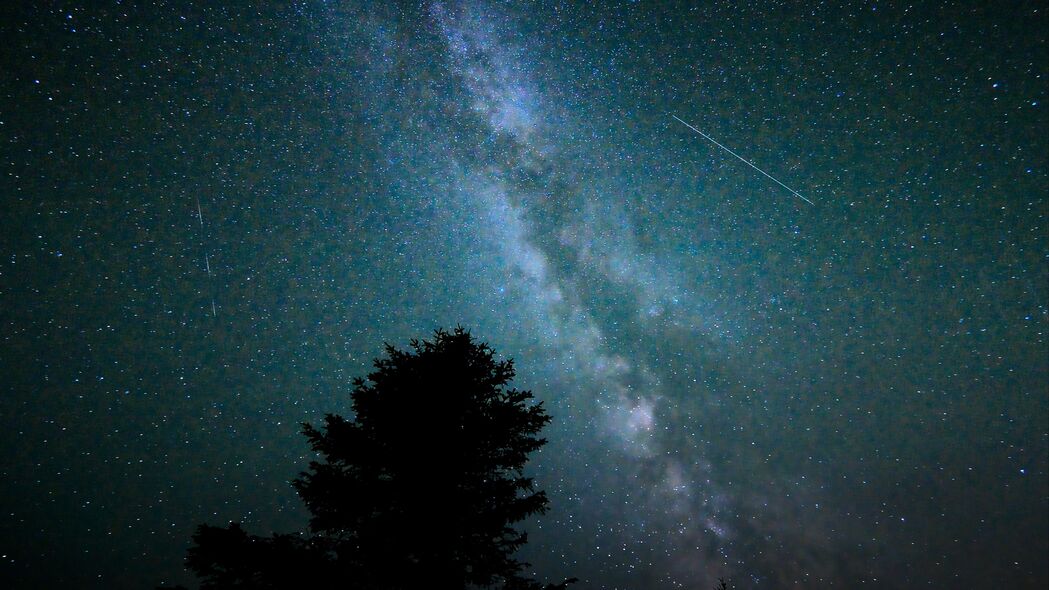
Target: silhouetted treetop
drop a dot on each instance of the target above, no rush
(419, 489)
(435, 451)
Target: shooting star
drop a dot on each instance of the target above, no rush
(745, 161)
(207, 257)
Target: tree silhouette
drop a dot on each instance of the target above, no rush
(420, 489)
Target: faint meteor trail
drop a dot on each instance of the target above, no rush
(207, 261)
(744, 160)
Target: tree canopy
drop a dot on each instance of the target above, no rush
(421, 488)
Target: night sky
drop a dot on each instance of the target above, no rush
(214, 217)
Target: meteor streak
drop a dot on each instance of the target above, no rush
(745, 161)
(207, 257)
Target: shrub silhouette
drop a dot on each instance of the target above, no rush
(420, 489)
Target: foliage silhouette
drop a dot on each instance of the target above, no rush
(420, 489)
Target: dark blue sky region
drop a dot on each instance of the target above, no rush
(214, 217)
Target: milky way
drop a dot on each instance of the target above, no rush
(217, 217)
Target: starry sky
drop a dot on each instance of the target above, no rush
(213, 217)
